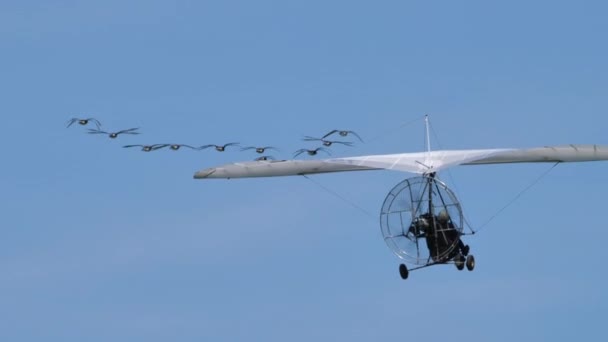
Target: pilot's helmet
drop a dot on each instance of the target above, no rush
(443, 216)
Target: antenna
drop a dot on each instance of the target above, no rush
(427, 162)
(428, 137)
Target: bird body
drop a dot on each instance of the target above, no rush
(264, 158)
(327, 143)
(311, 152)
(114, 135)
(148, 148)
(176, 147)
(342, 133)
(84, 122)
(219, 148)
(259, 149)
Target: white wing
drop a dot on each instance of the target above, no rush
(419, 162)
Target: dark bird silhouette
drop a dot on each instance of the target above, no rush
(311, 152)
(84, 122)
(342, 134)
(219, 148)
(176, 147)
(148, 148)
(259, 149)
(327, 142)
(263, 158)
(113, 135)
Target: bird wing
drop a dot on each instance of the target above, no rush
(71, 121)
(159, 146)
(188, 146)
(330, 133)
(324, 150)
(300, 151)
(97, 123)
(418, 162)
(96, 131)
(128, 131)
(264, 158)
(127, 146)
(355, 134)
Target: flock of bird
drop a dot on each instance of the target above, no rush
(324, 140)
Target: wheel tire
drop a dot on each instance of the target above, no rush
(403, 271)
(459, 262)
(470, 262)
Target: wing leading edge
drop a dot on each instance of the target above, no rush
(419, 162)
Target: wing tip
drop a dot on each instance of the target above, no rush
(202, 174)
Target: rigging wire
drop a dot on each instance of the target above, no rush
(375, 138)
(394, 129)
(441, 147)
(467, 223)
(351, 203)
(452, 179)
(498, 212)
(538, 179)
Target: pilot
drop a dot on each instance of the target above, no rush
(449, 232)
(442, 237)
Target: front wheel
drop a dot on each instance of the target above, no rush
(403, 271)
(470, 262)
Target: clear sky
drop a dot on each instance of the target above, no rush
(101, 243)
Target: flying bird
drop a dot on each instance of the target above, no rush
(263, 158)
(148, 148)
(219, 148)
(84, 122)
(310, 152)
(327, 142)
(259, 149)
(342, 134)
(113, 135)
(176, 147)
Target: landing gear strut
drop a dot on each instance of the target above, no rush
(459, 260)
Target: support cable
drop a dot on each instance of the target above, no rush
(351, 203)
(392, 130)
(538, 179)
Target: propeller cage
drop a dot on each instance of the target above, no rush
(420, 202)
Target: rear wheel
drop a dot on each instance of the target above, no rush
(470, 262)
(459, 261)
(403, 271)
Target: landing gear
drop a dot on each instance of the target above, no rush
(403, 271)
(470, 262)
(459, 262)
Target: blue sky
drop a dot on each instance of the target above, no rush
(102, 243)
